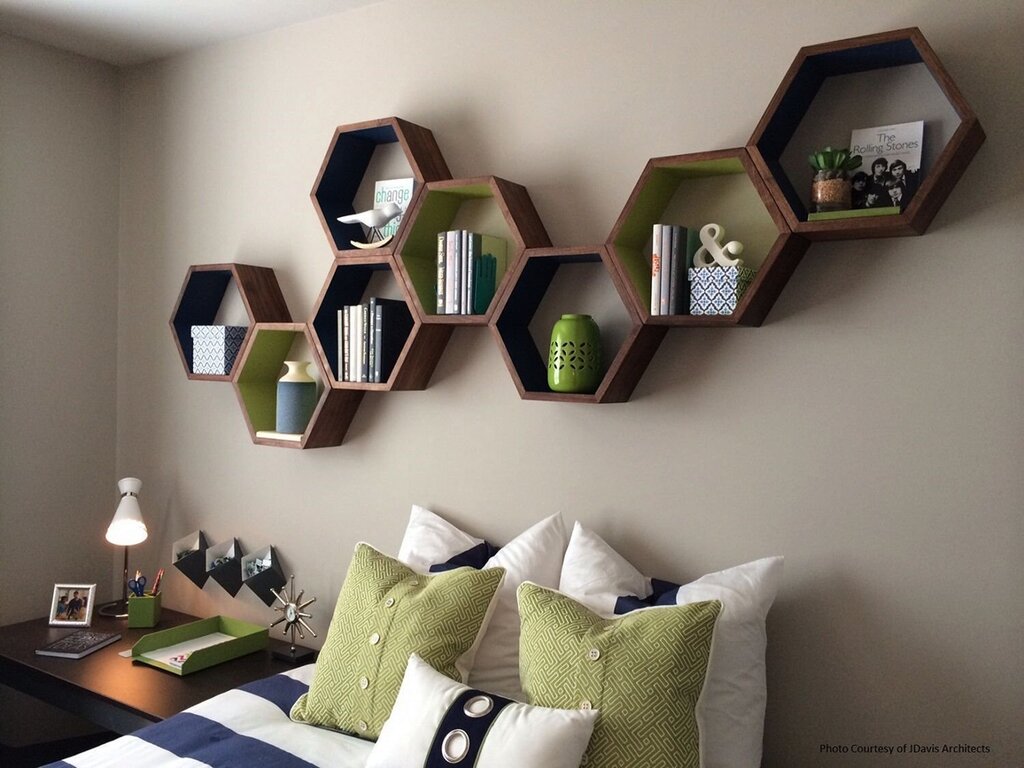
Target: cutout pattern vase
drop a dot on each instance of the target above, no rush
(296, 398)
(574, 357)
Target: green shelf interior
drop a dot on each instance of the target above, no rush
(257, 381)
(692, 194)
(469, 207)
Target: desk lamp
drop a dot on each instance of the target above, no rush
(126, 530)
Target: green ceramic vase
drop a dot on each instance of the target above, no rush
(574, 358)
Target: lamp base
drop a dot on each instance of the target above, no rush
(117, 609)
(296, 654)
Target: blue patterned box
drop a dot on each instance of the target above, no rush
(717, 290)
(215, 347)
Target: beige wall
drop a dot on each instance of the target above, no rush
(870, 431)
(59, 165)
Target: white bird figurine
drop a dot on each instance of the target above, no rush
(373, 220)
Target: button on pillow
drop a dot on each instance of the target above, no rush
(385, 612)
(643, 671)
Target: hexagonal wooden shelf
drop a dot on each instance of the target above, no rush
(346, 283)
(835, 87)
(439, 208)
(202, 294)
(255, 382)
(345, 164)
(720, 186)
(529, 280)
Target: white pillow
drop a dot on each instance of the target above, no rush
(421, 726)
(534, 555)
(730, 713)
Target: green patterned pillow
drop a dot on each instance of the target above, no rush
(385, 613)
(643, 671)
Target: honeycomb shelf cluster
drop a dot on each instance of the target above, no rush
(755, 182)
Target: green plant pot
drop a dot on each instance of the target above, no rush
(574, 357)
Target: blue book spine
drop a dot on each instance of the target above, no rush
(378, 312)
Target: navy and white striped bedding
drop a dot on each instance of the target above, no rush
(247, 726)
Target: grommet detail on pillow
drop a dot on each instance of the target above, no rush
(478, 706)
(430, 706)
(464, 727)
(455, 746)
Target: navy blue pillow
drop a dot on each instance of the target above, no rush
(474, 557)
(664, 594)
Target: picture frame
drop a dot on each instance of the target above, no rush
(72, 605)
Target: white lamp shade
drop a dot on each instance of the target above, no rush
(127, 527)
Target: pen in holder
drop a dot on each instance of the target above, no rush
(143, 611)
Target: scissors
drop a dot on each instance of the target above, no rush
(137, 585)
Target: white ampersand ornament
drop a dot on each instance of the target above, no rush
(712, 251)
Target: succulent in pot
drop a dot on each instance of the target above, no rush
(830, 189)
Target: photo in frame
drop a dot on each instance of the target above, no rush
(72, 605)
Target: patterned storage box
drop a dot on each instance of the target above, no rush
(215, 347)
(717, 290)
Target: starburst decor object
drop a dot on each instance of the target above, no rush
(291, 608)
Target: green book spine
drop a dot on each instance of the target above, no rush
(472, 259)
(484, 288)
(496, 247)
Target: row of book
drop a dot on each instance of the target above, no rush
(672, 249)
(469, 268)
(370, 338)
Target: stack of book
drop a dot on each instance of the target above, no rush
(469, 268)
(370, 338)
(672, 249)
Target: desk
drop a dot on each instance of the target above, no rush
(110, 690)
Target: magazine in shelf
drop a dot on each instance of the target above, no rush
(891, 171)
(392, 191)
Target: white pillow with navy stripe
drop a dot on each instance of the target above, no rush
(730, 713)
(439, 723)
(432, 544)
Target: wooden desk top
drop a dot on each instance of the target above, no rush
(111, 690)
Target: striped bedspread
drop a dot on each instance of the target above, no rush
(247, 726)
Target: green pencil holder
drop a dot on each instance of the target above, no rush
(143, 611)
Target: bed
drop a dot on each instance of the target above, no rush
(430, 662)
(247, 726)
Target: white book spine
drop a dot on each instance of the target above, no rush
(666, 269)
(656, 270)
(440, 272)
(451, 275)
(353, 347)
(340, 367)
(347, 343)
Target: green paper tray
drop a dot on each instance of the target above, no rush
(247, 638)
